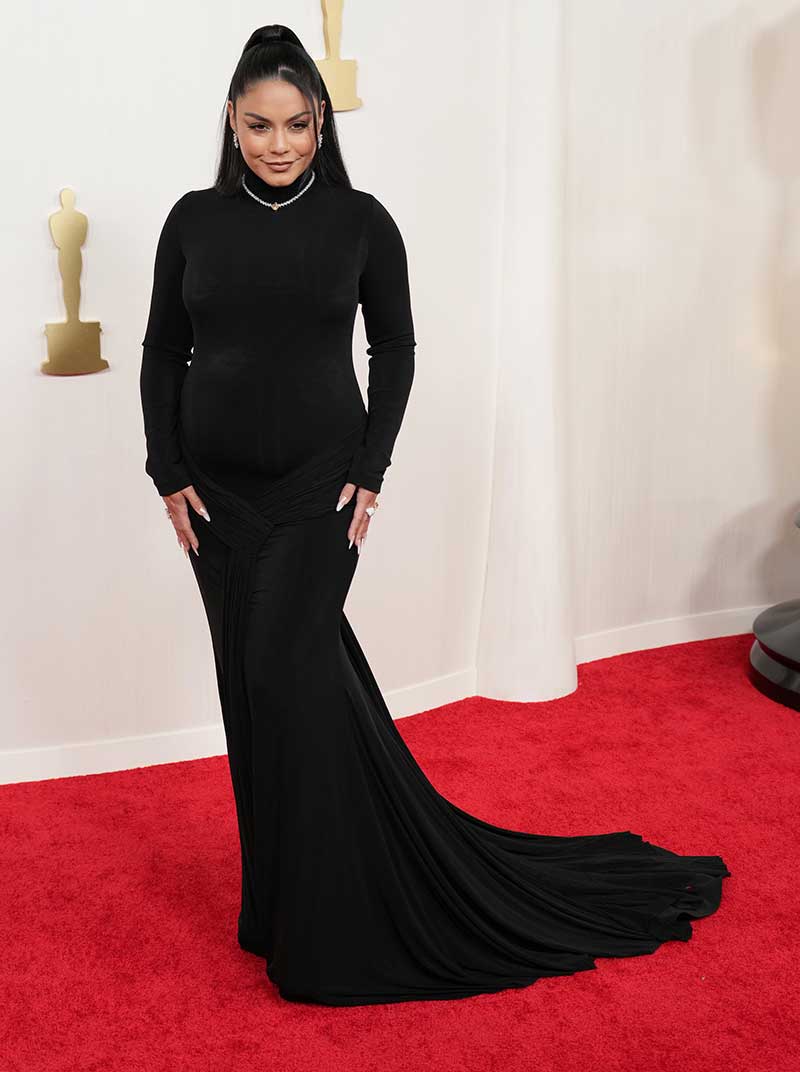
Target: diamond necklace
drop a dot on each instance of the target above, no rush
(275, 205)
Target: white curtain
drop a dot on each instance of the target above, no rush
(525, 647)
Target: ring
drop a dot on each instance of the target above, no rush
(371, 510)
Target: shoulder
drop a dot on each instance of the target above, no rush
(192, 196)
(193, 209)
(384, 236)
(362, 201)
(344, 199)
(187, 200)
(379, 225)
(193, 200)
(352, 210)
(186, 216)
(370, 205)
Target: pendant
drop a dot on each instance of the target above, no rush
(274, 206)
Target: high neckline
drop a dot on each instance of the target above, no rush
(265, 190)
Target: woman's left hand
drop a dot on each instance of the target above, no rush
(359, 526)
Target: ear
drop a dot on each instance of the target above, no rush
(230, 114)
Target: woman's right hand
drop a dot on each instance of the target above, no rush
(178, 509)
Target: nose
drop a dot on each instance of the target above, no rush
(278, 142)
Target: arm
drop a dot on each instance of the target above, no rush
(386, 307)
(167, 348)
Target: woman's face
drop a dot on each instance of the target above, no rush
(276, 130)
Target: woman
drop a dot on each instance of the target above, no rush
(360, 882)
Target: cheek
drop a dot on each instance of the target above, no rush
(304, 142)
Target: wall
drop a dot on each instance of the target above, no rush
(682, 336)
(107, 657)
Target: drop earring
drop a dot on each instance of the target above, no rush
(235, 140)
(319, 140)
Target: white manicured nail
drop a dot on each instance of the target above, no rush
(204, 513)
(340, 505)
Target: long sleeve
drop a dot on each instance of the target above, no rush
(386, 307)
(167, 349)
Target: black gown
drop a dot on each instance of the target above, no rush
(360, 882)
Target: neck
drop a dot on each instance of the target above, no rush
(261, 188)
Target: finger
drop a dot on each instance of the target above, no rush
(364, 524)
(361, 529)
(196, 502)
(345, 495)
(362, 533)
(357, 520)
(186, 535)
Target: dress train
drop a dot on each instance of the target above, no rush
(361, 883)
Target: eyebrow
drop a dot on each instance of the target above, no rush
(291, 118)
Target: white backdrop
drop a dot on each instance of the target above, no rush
(600, 452)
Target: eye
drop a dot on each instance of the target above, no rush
(262, 126)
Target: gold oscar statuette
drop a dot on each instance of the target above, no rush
(338, 75)
(73, 345)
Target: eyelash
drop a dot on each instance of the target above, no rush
(261, 126)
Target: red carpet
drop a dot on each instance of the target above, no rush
(120, 896)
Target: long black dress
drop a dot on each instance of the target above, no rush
(360, 882)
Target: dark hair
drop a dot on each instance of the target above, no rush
(276, 52)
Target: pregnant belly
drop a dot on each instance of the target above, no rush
(244, 423)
